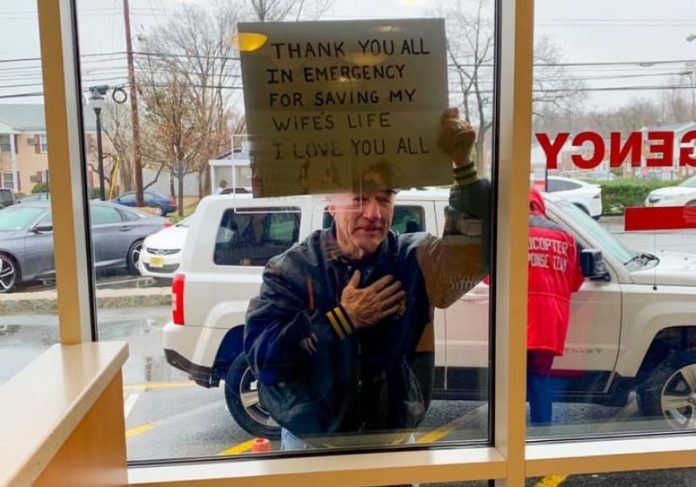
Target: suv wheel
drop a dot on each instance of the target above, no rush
(671, 391)
(9, 274)
(243, 402)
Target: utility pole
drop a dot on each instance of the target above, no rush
(137, 156)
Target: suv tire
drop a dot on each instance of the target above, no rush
(243, 403)
(670, 391)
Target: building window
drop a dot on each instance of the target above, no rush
(5, 143)
(8, 180)
(43, 143)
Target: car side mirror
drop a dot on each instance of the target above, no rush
(593, 265)
(42, 228)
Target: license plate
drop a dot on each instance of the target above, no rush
(156, 261)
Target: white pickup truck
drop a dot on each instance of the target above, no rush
(632, 329)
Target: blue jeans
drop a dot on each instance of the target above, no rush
(539, 397)
(539, 386)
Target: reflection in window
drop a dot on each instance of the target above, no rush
(253, 238)
(408, 219)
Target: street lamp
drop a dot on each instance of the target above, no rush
(96, 100)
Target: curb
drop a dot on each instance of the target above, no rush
(43, 302)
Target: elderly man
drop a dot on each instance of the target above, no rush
(341, 336)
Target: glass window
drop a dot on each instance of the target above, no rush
(102, 215)
(28, 320)
(46, 220)
(130, 215)
(127, 199)
(554, 185)
(43, 143)
(253, 238)
(18, 217)
(613, 369)
(408, 219)
(6, 198)
(421, 370)
(689, 183)
(5, 144)
(8, 180)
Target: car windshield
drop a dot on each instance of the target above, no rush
(18, 217)
(590, 228)
(689, 183)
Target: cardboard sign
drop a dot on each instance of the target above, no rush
(327, 101)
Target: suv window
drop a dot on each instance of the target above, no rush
(253, 237)
(408, 219)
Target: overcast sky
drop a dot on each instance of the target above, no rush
(649, 36)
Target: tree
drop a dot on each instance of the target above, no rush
(470, 49)
(277, 10)
(116, 127)
(184, 82)
(679, 102)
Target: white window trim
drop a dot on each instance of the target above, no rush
(43, 143)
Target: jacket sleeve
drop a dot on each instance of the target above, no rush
(456, 262)
(281, 318)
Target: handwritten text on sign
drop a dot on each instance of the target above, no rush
(325, 101)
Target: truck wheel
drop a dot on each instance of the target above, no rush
(671, 391)
(243, 403)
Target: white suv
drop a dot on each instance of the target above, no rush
(633, 327)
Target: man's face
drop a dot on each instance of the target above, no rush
(362, 221)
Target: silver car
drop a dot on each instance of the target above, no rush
(26, 240)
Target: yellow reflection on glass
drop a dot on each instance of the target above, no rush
(365, 59)
(249, 41)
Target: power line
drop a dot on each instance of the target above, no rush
(637, 63)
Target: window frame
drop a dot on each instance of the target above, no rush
(43, 143)
(6, 147)
(8, 183)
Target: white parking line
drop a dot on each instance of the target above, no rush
(130, 402)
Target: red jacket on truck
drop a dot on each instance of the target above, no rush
(554, 273)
